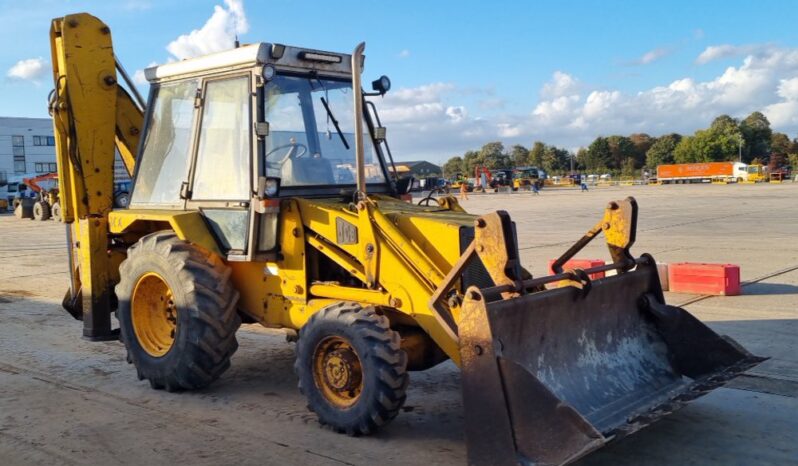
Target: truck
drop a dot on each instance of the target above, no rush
(525, 177)
(236, 216)
(706, 172)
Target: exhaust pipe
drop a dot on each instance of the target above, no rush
(357, 94)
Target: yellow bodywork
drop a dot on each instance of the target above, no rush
(401, 255)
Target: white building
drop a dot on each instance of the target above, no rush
(27, 146)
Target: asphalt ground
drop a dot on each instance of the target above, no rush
(64, 400)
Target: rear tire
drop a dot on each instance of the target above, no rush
(41, 211)
(351, 368)
(177, 312)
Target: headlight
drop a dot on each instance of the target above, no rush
(268, 72)
(381, 85)
(272, 187)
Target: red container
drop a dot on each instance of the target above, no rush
(580, 264)
(714, 279)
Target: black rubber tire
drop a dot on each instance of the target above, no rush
(384, 367)
(41, 211)
(55, 210)
(207, 319)
(23, 208)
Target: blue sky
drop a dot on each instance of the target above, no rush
(467, 72)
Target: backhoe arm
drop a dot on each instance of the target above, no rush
(92, 115)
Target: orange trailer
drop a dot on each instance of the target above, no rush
(702, 172)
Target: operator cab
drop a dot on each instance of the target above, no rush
(227, 131)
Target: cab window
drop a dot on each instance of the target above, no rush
(223, 155)
(164, 162)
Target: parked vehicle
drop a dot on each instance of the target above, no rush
(707, 172)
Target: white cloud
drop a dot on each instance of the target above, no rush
(31, 69)
(561, 84)
(651, 56)
(440, 120)
(785, 114)
(404, 53)
(788, 88)
(138, 78)
(217, 34)
(719, 52)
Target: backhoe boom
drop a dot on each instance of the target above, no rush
(92, 115)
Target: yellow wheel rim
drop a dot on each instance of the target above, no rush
(337, 371)
(154, 314)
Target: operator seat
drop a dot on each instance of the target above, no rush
(299, 171)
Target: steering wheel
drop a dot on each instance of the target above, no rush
(430, 197)
(291, 152)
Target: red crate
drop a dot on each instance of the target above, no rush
(580, 264)
(698, 278)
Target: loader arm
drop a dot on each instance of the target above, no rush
(92, 115)
(33, 183)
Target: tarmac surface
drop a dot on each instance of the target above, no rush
(64, 400)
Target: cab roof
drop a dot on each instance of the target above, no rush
(282, 57)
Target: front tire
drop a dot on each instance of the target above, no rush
(177, 312)
(351, 368)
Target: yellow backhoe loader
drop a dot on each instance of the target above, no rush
(262, 193)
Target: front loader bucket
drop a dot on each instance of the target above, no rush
(551, 375)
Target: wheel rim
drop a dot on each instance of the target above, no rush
(153, 314)
(337, 371)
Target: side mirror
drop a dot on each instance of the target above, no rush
(404, 185)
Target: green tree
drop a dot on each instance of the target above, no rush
(661, 152)
(723, 139)
(717, 143)
(581, 156)
(453, 166)
(756, 133)
(492, 155)
(470, 161)
(642, 143)
(621, 148)
(794, 162)
(519, 155)
(780, 144)
(628, 167)
(555, 159)
(536, 154)
(685, 151)
(599, 155)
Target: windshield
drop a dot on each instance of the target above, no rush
(529, 173)
(311, 133)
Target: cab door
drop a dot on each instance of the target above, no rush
(221, 184)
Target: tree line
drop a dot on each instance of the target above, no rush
(727, 139)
